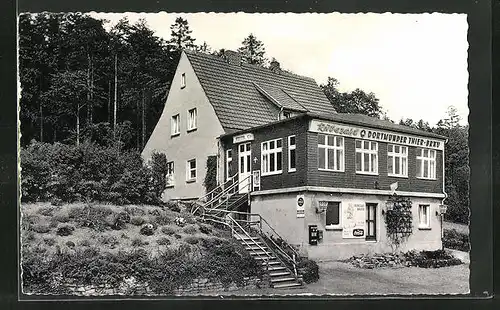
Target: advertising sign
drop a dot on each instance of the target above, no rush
(353, 221)
(256, 180)
(300, 206)
(243, 138)
(365, 133)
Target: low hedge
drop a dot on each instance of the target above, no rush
(226, 262)
(309, 270)
(453, 239)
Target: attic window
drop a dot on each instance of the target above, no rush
(286, 114)
(183, 80)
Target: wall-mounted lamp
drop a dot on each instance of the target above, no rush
(443, 209)
(322, 206)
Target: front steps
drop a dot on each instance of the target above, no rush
(280, 276)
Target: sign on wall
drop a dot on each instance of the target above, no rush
(353, 221)
(256, 180)
(243, 138)
(365, 133)
(300, 206)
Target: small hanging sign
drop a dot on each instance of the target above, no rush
(300, 206)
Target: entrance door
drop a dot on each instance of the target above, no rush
(245, 166)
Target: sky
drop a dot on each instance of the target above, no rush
(416, 64)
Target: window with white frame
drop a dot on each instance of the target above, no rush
(424, 216)
(271, 157)
(176, 125)
(330, 152)
(333, 215)
(191, 170)
(426, 163)
(229, 163)
(183, 80)
(366, 157)
(292, 155)
(192, 114)
(170, 174)
(397, 160)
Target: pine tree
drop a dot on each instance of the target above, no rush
(181, 35)
(253, 51)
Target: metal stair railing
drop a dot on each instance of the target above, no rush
(289, 261)
(202, 201)
(224, 196)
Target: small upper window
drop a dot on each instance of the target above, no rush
(191, 170)
(176, 125)
(192, 119)
(183, 80)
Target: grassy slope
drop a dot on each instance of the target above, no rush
(44, 215)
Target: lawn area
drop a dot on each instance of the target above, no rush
(337, 278)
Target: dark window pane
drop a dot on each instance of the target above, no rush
(292, 140)
(292, 159)
(390, 164)
(279, 161)
(358, 161)
(271, 163)
(331, 140)
(358, 144)
(321, 139)
(366, 163)
(321, 158)
(271, 145)
(278, 143)
(332, 214)
(331, 159)
(248, 163)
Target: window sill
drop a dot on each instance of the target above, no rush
(429, 179)
(271, 173)
(424, 228)
(182, 87)
(397, 176)
(292, 170)
(330, 170)
(170, 186)
(366, 173)
(191, 181)
(371, 240)
(175, 135)
(333, 228)
(191, 130)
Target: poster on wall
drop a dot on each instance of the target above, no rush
(353, 221)
(300, 206)
(256, 180)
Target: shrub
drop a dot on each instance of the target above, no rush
(210, 242)
(180, 221)
(28, 221)
(41, 228)
(70, 244)
(455, 240)
(29, 236)
(61, 218)
(173, 206)
(49, 241)
(159, 170)
(135, 211)
(309, 270)
(177, 236)
(168, 230)
(163, 241)
(163, 219)
(91, 216)
(137, 220)
(192, 239)
(56, 202)
(431, 259)
(190, 229)
(137, 242)
(147, 230)
(65, 230)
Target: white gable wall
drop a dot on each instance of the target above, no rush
(197, 144)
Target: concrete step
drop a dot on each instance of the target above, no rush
(264, 258)
(271, 263)
(255, 253)
(276, 268)
(279, 274)
(289, 285)
(283, 279)
(255, 247)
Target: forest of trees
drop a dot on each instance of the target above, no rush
(80, 82)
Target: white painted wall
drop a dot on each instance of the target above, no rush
(197, 144)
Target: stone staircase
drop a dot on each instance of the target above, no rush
(280, 275)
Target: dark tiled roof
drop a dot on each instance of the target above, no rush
(237, 102)
(280, 98)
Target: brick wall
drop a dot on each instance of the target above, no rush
(349, 178)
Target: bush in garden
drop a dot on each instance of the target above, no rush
(90, 172)
(163, 241)
(137, 220)
(65, 230)
(41, 228)
(147, 230)
(452, 239)
(309, 270)
(192, 239)
(168, 230)
(190, 229)
(432, 259)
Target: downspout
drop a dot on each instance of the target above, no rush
(445, 196)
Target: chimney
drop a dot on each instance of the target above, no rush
(232, 57)
(274, 66)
